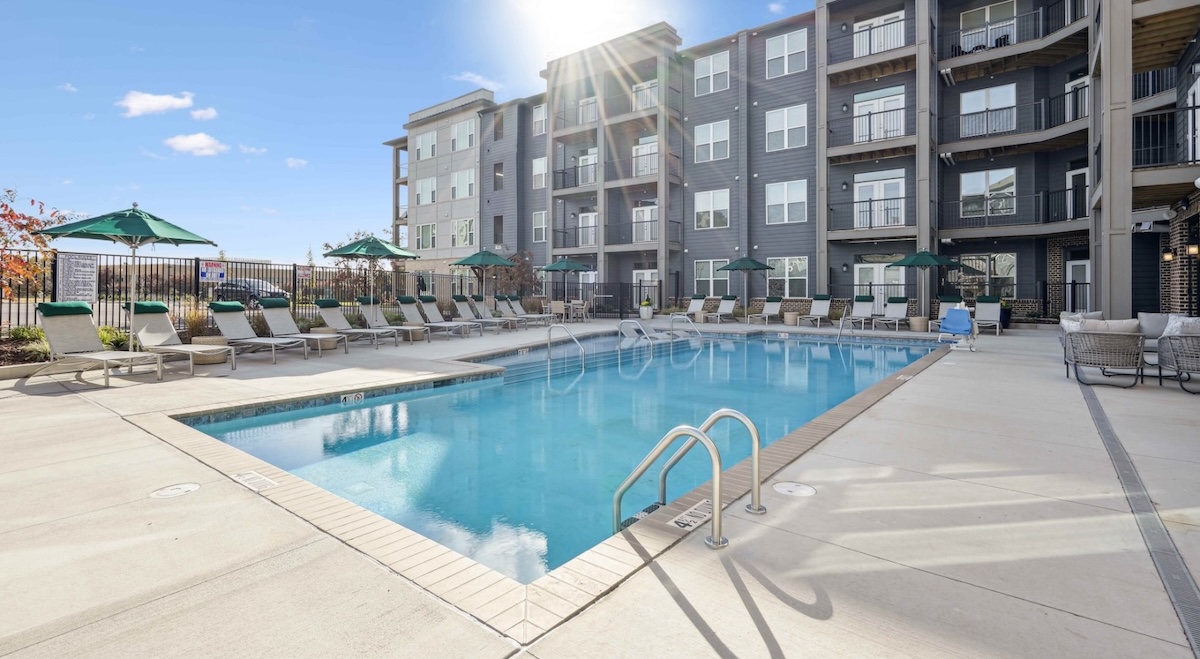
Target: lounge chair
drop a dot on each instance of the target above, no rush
(956, 327)
(463, 306)
(412, 314)
(987, 312)
(862, 310)
(277, 311)
(1179, 353)
(369, 306)
(514, 301)
(429, 306)
(694, 307)
(1107, 351)
(156, 333)
(895, 313)
(724, 310)
(819, 310)
(945, 303)
(770, 310)
(483, 313)
(231, 320)
(331, 313)
(73, 336)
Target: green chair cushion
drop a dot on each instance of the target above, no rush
(477, 298)
(327, 303)
(514, 298)
(274, 303)
(864, 298)
(149, 306)
(459, 298)
(64, 308)
(428, 298)
(699, 296)
(988, 299)
(897, 299)
(822, 297)
(951, 298)
(774, 298)
(728, 297)
(406, 299)
(226, 307)
(368, 300)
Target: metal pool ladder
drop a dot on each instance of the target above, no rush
(696, 435)
(688, 321)
(582, 352)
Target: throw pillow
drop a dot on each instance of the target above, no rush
(1069, 322)
(1178, 324)
(1153, 324)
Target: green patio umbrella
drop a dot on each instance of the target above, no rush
(746, 265)
(924, 260)
(565, 265)
(132, 227)
(480, 261)
(372, 249)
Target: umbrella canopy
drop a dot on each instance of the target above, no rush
(133, 227)
(484, 259)
(745, 263)
(566, 265)
(924, 259)
(371, 248)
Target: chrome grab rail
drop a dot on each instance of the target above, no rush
(842, 323)
(688, 321)
(755, 506)
(640, 332)
(714, 541)
(582, 352)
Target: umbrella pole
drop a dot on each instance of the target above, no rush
(132, 304)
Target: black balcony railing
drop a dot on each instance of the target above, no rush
(1069, 204)
(576, 236)
(641, 98)
(1010, 31)
(1007, 210)
(873, 214)
(641, 166)
(1025, 118)
(871, 127)
(573, 177)
(1149, 83)
(876, 39)
(617, 233)
(1167, 137)
(581, 112)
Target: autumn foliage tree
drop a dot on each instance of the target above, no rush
(16, 233)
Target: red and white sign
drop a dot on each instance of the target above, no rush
(212, 271)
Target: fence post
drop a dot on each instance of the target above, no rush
(1045, 286)
(196, 278)
(295, 289)
(54, 280)
(621, 301)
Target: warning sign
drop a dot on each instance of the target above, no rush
(303, 272)
(212, 271)
(694, 516)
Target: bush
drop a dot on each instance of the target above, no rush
(37, 351)
(27, 333)
(195, 318)
(259, 324)
(114, 338)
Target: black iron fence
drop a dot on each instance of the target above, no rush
(1041, 299)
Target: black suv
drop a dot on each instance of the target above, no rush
(247, 291)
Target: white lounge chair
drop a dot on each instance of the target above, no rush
(819, 310)
(277, 311)
(430, 308)
(463, 306)
(694, 307)
(945, 303)
(987, 312)
(373, 315)
(862, 310)
(483, 313)
(331, 313)
(770, 310)
(895, 313)
(231, 320)
(514, 301)
(724, 310)
(409, 306)
(73, 336)
(156, 333)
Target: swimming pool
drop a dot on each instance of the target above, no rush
(518, 472)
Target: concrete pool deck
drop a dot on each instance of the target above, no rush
(974, 510)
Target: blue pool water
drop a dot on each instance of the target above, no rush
(519, 472)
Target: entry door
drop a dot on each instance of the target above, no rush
(879, 280)
(587, 229)
(645, 283)
(879, 204)
(1076, 297)
(1077, 186)
(645, 226)
(587, 167)
(645, 95)
(1076, 100)
(645, 159)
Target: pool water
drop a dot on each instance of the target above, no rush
(519, 472)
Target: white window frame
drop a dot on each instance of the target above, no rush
(710, 203)
(427, 191)
(794, 118)
(462, 232)
(787, 45)
(988, 282)
(705, 135)
(798, 188)
(426, 145)
(462, 136)
(994, 117)
(710, 69)
(539, 226)
(539, 119)
(714, 276)
(462, 184)
(998, 203)
(426, 242)
(539, 173)
(789, 264)
(878, 208)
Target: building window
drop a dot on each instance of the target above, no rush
(712, 73)
(986, 274)
(498, 231)
(426, 191)
(787, 53)
(539, 173)
(787, 202)
(462, 184)
(712, 141)
(539, 227)
(462, 135)
(498, 176)
(710, 280)
(992, 26)
(539, 120)
(426, 145)
(463, 233)
(712, 209)
(993, 192)
(498, 125)
(426, 236)
(788, 276)
(787, 128)
(986, 111)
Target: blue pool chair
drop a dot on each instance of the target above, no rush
(957, 326)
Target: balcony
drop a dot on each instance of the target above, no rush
(1149, 83)
(641, 231)
(574, 177)
(1022, 28)
(640, 100)
(870, 127)
(571, 237)
(1166, 156)
(871, 41)
(641, 166)
(1001, 211)
(994, 128)
(873, 214)
(585, 112)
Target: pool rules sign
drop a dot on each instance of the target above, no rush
(75, 278)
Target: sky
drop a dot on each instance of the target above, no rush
(260, 125)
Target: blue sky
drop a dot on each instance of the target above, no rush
(260, 126)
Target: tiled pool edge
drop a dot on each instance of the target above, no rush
(521, 612)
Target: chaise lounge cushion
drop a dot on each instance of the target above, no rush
(1129, 326)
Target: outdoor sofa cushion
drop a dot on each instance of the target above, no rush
(1129, 326)
(1069, 322)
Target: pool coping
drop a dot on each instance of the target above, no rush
(522, 612)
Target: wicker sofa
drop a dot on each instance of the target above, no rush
(1179, 354)
(1106, 351)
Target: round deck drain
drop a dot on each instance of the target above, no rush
(172, 491)
(795, 489)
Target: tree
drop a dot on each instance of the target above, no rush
(17, 232)
(311, 262)
(520, 278)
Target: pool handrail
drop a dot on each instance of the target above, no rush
(687, 320)
(714, 541)
(755, 506)
(582, 352)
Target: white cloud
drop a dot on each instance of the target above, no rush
(67, 87)
(197, 144)
(134, 50)
(252, 150)
(270, 211)
(776, 8)
(67, 181)
(89, 116)
(478, 80)
(138, 103)
(204, 114)
(295, 163)
(150, 154)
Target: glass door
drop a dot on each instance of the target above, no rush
(1077, 187)
(645, 224)
(587, 229)
(879, 280)
(1078, 279)
(645, 157)
(1077, 98)
(645, 284)
(587, 167)
(879, 118)
(879, 204)
(588, 113)
(879, 34)
(645, 95)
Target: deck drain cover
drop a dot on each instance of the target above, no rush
(254, 480)
(172, 491)
(795, 489)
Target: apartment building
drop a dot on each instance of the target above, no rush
(1052, 148)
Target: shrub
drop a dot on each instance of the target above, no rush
(195, 317)
(304, 324)
(394, 318)
(356, 320)
(26, 333)
(114, 338)
(37, 350)
(259, 324)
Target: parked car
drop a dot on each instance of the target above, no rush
(247, 291)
